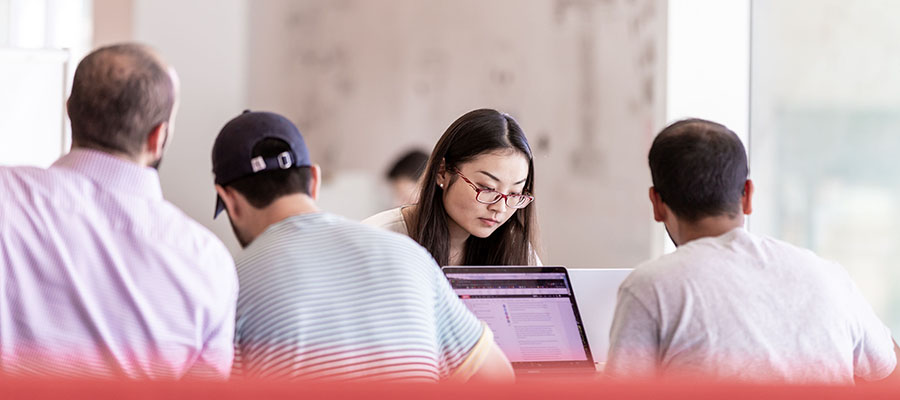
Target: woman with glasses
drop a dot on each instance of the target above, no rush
(474, 197)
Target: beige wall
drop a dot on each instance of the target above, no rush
(205, 40)
(366, 79)
(113, 21)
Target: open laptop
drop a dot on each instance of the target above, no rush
(533, 314)
(597, 290)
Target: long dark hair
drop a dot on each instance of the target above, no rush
(475, 133)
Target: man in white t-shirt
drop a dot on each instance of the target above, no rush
(728, 305)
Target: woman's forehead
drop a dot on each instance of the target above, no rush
(507, 165)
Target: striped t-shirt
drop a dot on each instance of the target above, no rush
(322, 297)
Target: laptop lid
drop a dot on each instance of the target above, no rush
(532, 312)
(597, 292)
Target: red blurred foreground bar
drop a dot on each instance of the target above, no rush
(552, 390)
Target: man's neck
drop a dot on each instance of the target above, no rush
(140, 160)
(708, 227)
(282, 208)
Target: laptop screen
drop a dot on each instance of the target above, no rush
(531, 310)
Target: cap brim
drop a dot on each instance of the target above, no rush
(220, 206)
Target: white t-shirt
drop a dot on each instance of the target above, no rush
(740, 307)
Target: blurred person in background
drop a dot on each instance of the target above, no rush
(404, 175)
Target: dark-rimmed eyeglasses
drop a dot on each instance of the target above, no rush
(490, 196)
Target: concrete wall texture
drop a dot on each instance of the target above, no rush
(365, 80)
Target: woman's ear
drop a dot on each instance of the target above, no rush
(442, 174)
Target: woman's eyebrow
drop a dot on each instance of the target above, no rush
(490, 176)
(498, 180)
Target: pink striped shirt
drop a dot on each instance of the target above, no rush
(101, 277)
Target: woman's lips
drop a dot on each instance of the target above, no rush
(489, 222)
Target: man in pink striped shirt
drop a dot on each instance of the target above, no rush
(99, 275)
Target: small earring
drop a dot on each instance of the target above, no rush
(441, 185)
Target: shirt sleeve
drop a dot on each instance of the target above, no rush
(458, 330)
(873, 352)
(216, 356)
(633, 340)
(473, 362)
(4, 189)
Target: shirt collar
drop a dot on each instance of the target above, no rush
(112, 172)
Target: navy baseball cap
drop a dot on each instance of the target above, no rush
(232, 154)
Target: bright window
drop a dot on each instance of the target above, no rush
(825, 134)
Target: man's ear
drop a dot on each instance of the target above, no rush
(73, 144)
(747, 198)
(315, 183)
(156, 140)
(229, 197)
(659, 209)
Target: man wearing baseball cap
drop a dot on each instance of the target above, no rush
(322, 297)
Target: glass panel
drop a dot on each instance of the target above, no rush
(825, 134)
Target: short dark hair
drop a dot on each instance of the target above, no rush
(699, 168)
(264, 187)
(410, 165)
(119, 94)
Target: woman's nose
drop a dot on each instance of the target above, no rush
(498, 207)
